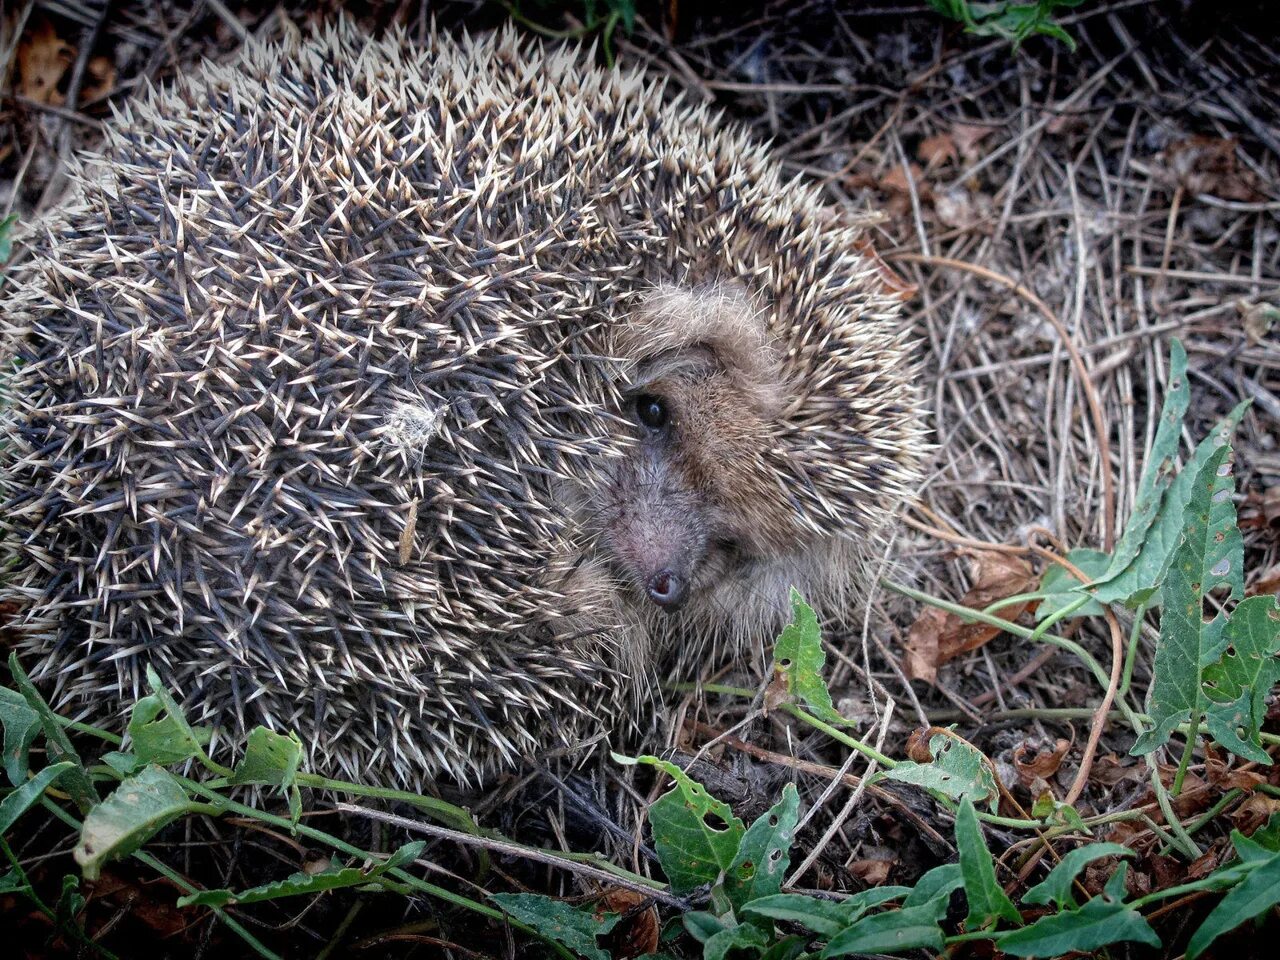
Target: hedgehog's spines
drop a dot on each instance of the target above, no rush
(269, 262)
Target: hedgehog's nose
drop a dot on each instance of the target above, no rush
(667, 590)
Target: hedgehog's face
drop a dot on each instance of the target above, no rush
(695, 518)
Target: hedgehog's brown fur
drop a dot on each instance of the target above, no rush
(322, 400)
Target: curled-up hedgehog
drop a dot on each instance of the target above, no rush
(433, 400)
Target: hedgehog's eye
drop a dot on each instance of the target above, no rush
(651, 411)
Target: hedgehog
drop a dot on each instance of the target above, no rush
(436, 400)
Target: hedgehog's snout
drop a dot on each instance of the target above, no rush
(656, 530)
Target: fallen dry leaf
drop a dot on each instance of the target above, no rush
(937, 637)
(871, 872)
(1256, 810)
(967, 137)
(1208, 165)
(1037, 761)
(43, 58)
(636, 934)
(936, 150)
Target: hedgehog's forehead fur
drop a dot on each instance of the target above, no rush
(322, 398)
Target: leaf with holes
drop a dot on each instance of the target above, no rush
(958, 770)
(764, 852)
(799, 658)
(299, 884)
(158, 736)
(272, 759)
(695, 835)
(1210, 556)
(1238, 684)
(136, 809)
(1103, 920)
(1143, 577)
(988, 902)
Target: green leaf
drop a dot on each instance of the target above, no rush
(1211, 554)
(936, 886)
(125, 764)
(703, 925)
(825, 917)
(75, 781)
(15, 881)
(764, 852)
(1146, 573)
(987, 900)
(909, 928)
(1157, 471)
(1056, 887)
(1259, 891)
(6, 240)
(786, 949)
(136, 809)
(799, 657)
(695, 835)
(1236, 687)
(1102, 920)
(70, 903)
(1063, 588)
(173, 733)
(272, 759)
(741, 936)
(24, 797)
(297, 884)
(162, 737)
(958, 771)
(21, 724)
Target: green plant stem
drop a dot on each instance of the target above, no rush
(422, 886)
(1039, 634)
(177, 880)
(1181, 839)
(1185, 760)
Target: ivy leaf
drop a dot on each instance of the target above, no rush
(958, 771)
(1056, 887)
(987, 900)
(1258, 892)
(1102, 920)
(695, 835)
(21, 724)
(1211, 555)
(799, 658)
(764, 852)
(139, 806)
(297, 884)
(1237, 685)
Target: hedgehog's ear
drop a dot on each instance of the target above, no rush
(713, 327)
